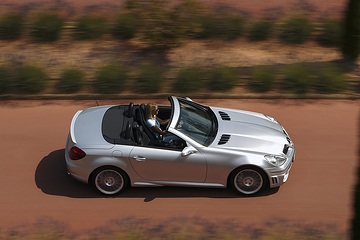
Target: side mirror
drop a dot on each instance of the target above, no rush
(188, 150)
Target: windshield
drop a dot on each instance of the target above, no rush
(197, 122)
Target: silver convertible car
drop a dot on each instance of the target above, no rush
(112, 148)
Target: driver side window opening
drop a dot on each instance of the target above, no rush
(143, 136)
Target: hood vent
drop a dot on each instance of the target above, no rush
(224, 116)
(224, 139)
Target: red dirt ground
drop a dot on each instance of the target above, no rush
(34, 183)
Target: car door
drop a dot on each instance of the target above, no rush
(166, 164)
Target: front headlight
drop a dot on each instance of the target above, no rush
(276, 160)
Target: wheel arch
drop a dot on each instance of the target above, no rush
(91, 176)
(249, 166)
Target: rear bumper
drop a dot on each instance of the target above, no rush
(75, 171)
(72, 168)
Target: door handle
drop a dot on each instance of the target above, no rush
(139, 158)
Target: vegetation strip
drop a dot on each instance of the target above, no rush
(168, 27)
(176, 228)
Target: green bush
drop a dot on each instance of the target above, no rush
(261, 30)
(161, 34)
(187, 14)
(5, 80)
(149, 79)
(46, 27)
(230, 27)
(329, 79)
(207, 27)
(222, 79)
(157, 28)
(297, 79)
(70, 81)
(11, 26)
(188, 80)
(262, 79)
(351, 38)
(296, 30)
(226, 27)
(330, 34)
(90, 27)
(30, 80)
(110, 79)
(125, 26)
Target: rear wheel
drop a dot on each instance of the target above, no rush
(109, 180)
(248, 180)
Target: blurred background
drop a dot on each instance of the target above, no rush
(193, 47)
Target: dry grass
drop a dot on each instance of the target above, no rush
(88, 56)
(242, 53)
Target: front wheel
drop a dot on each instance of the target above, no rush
(248, 180)
(109, 180)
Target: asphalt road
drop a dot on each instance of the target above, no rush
(34, 183)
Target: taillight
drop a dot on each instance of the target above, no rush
(76, 153)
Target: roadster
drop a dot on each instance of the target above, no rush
(112, 148)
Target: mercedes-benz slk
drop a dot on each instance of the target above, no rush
(112, 148)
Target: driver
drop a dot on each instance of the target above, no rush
(154, 122)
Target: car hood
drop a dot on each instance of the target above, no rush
(249, 131)
(85, 127)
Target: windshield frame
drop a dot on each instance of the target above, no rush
(204, 113)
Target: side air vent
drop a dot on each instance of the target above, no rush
(224, 116)
(224, 139)
(286, 149)
(274, 180)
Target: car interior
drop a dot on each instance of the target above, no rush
(126, 124)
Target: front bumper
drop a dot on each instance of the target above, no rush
(278, 177)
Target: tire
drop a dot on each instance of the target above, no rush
(109, 180)
(248, 180)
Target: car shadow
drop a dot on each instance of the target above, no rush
(51, 178)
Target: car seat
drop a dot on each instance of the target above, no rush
(140, 119)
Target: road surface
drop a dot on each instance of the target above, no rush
(34, 183)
